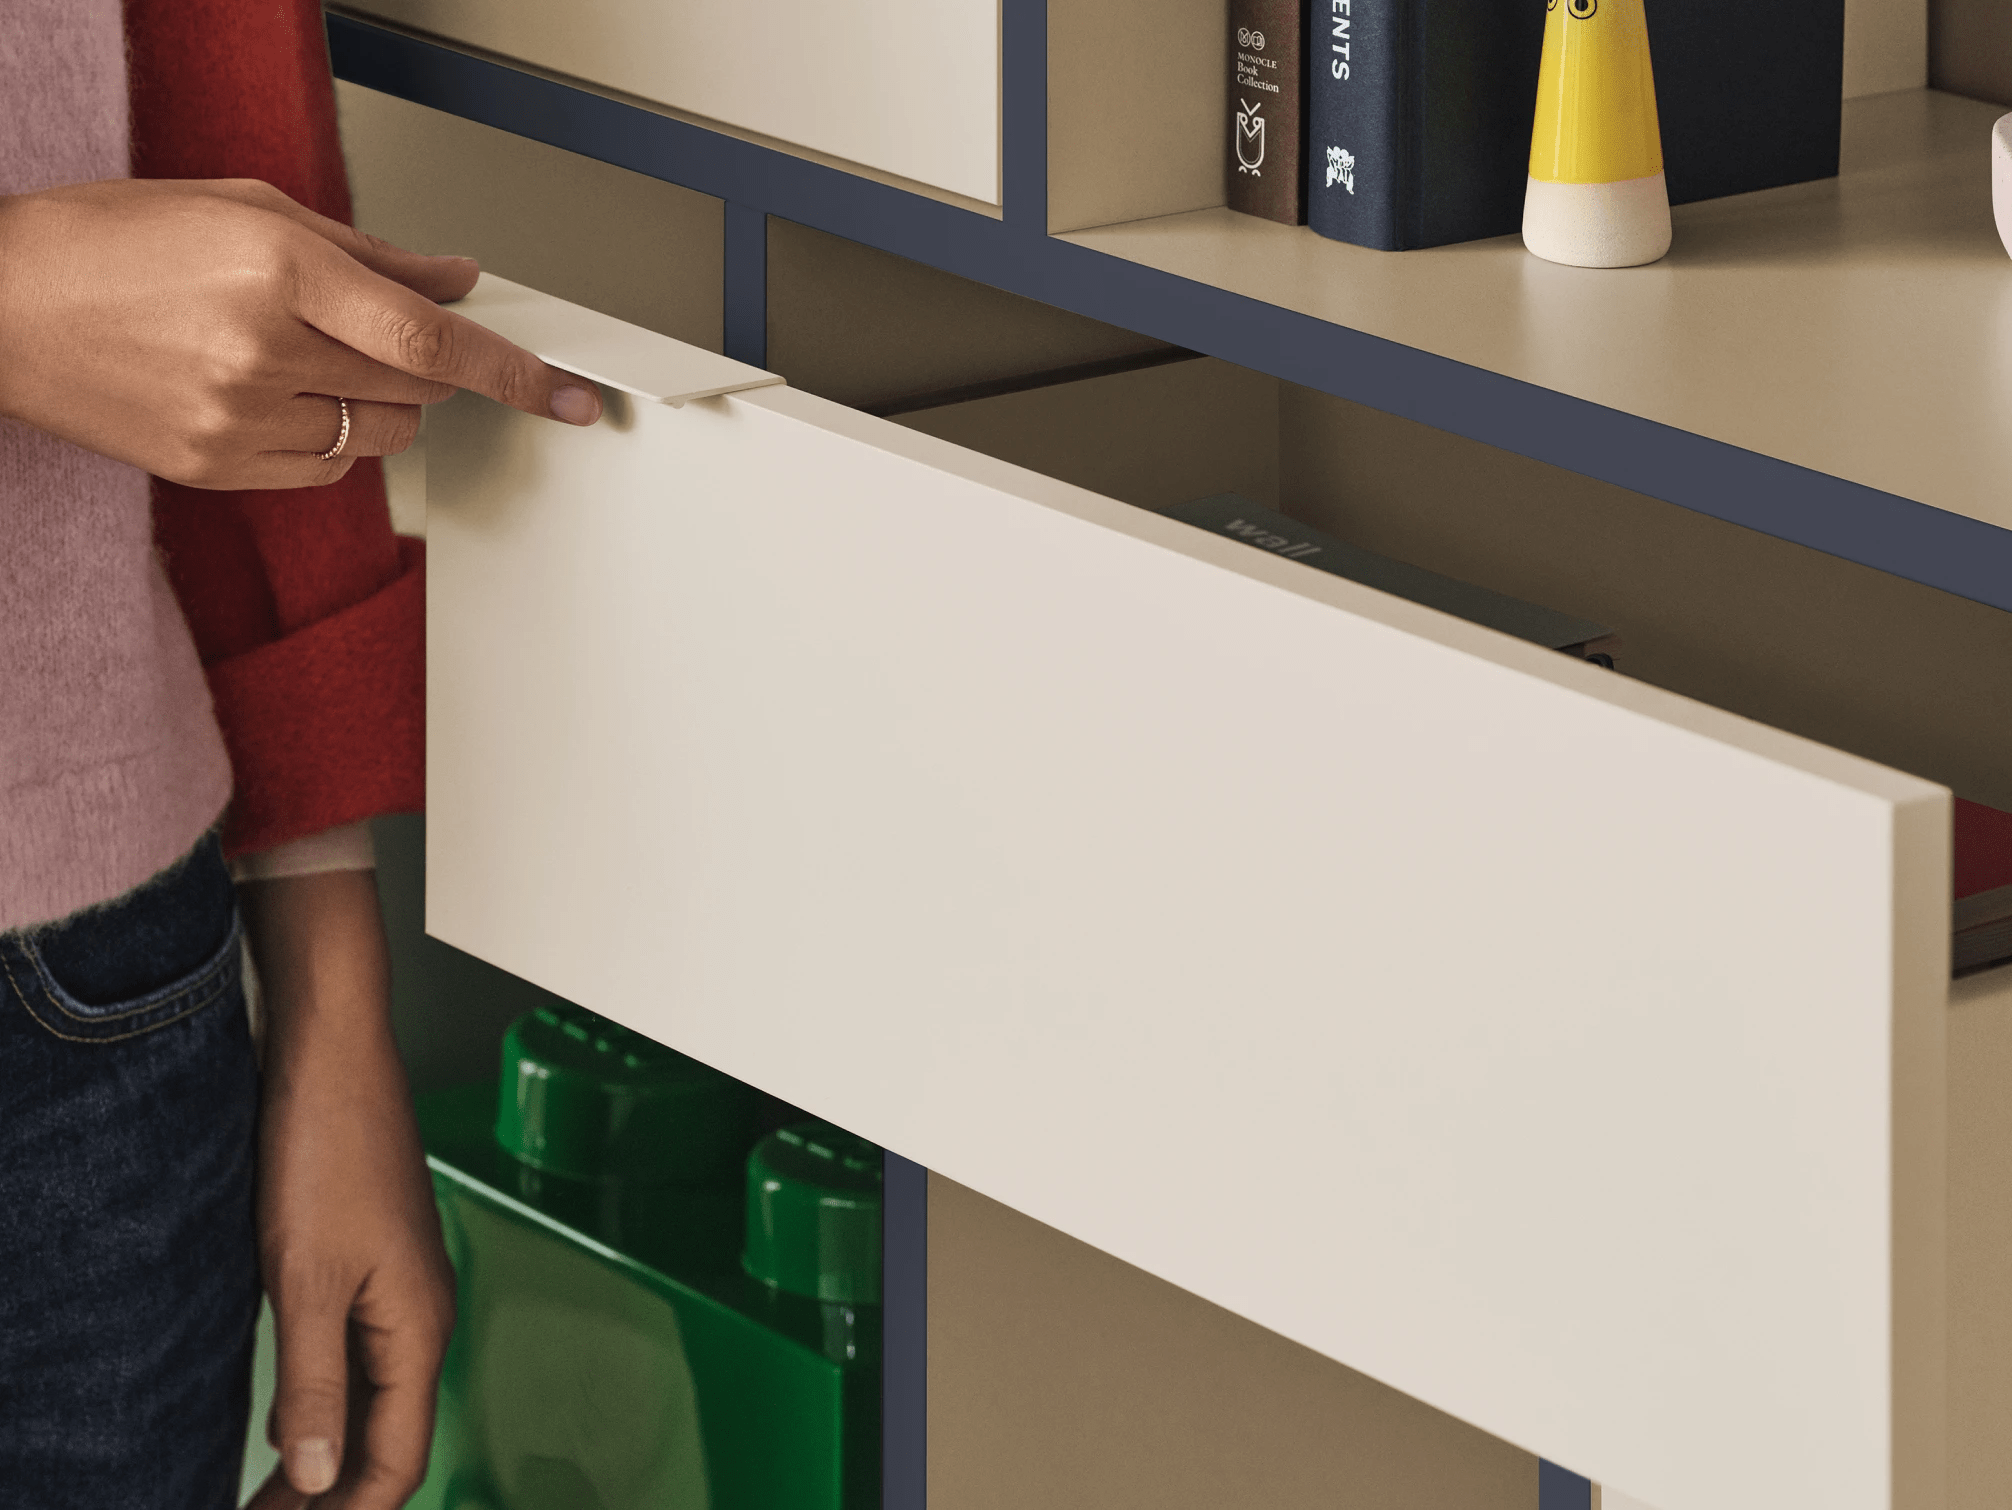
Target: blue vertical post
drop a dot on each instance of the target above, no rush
(1562, 1489)
(744, 313)
(1023, 126)
(904, 1376)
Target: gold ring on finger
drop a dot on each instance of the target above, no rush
(341, 440)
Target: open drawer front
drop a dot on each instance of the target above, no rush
(1558, 1050)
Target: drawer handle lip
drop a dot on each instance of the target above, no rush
(655, 368)
(676, 400)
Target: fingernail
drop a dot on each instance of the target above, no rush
(576, 406)
(311, 1465)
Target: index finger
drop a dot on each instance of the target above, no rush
(402, 329)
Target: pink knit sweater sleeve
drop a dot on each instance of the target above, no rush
(111, 763)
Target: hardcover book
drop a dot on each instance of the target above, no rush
(1263, 165)
(1419, 111)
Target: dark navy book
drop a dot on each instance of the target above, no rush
(1419, 111)
(1357, 66)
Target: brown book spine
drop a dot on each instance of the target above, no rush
(1266, 134)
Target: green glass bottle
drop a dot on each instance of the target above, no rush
(650, 1316)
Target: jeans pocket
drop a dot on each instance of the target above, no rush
(84, 1022)
(153, 957)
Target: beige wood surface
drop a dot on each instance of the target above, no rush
(907, 86)
(1142, 136)
(1060, 1377)
(1154, 437)
(633, 247)
(1000, 822)
(1842, 653)
(1980, 1242)
(861, 326)
(1063, 1379)
(1885, 46)
(1970, 44)
(637, 362)
(1860, 326)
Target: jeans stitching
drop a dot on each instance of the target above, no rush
(216, 973)
(202, 979)
(151, 1027)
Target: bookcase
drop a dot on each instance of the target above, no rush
(1768, 463)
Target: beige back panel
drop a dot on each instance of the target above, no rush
(1063, 1379)
(907, 86)
(644, 251)
(1980, 1242)
(1886, 45)
(1154, 437)
(1970, 48)
(1868, 662)
(1136, 95)
(861, 326)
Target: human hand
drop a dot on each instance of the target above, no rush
(203, 331)
(361, 1290)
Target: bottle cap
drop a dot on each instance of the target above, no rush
(585, 1097)
(814, 1214)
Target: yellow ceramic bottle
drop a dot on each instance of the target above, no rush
(1596, 196)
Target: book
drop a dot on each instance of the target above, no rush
(1267, 122)
(1981, 923)
(1755, 113)
(1418, 118)
(1238, 518)
(1419, 112)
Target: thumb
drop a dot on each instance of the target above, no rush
(276, 1494)
(311, 1396)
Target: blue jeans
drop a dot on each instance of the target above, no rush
(129, 1279)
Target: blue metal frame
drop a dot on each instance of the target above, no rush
(1023, 126)
(904, 1388)
(1892, 534)
(1562, 1489)
(744, 295)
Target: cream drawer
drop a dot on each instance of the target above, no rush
(909, 87)
(1557, 1050)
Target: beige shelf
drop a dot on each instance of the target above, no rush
(1860, 326)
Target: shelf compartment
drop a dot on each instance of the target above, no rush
(1148, 139)
(1559, 1051)
(909, 87)
(1934, 543)
(1859, 327)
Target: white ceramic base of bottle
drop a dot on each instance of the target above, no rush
(1621, 224)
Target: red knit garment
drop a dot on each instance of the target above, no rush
(1983, 848)
(308, 612)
